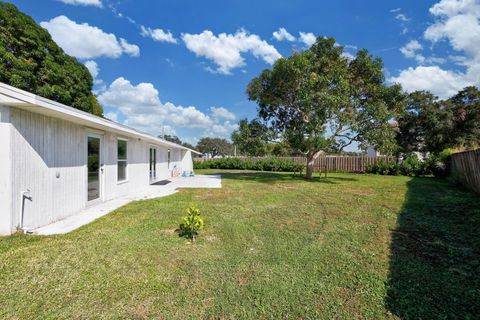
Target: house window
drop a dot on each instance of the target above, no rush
(122, 160)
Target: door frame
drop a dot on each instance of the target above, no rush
(155, 178)
(101, 172)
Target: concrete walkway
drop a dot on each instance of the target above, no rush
(94, 212)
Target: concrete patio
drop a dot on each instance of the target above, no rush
(153, 191)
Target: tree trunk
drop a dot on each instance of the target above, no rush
(311, 157)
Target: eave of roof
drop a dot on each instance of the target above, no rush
(28, 101)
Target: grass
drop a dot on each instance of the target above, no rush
(274, 247)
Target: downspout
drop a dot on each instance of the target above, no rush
(24, 195)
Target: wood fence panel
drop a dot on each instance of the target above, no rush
(466, 167)
(333, 163)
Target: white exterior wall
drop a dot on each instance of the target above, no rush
(187, 161)
(5, 172)
(49, 158)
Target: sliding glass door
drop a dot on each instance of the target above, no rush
(153, 164)
(94, 168)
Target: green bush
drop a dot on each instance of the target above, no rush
(264, 164)
(412, 166)
(437, 163)
(192, 223)
(384, 168)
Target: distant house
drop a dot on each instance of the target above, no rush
(56, 160)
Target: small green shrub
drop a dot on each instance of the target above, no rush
(264, 164)
(437, 163)
(412, 166)
(192, 224)
(384, 168)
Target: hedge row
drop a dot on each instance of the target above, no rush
(411, 166)
(266, 164)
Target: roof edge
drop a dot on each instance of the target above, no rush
(32, 99)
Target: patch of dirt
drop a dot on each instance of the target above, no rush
(362, 193)
(244, 277)
(167, 232)
(142, 310)
(212, 238)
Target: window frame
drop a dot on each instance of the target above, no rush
(122, 161)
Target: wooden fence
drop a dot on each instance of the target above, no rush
(335, 163)
(465, 166)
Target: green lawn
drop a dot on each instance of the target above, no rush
(275, 247)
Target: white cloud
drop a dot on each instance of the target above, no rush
(225, 50)
(222, 130)
(282, 34)
(158, 35)
(92, 66)
(455, 7)
(96, 3)
(402, 17)
(130, 49)
(308, 38)
(222, 113)
(112, 116)
(169, 62)
(440, 82)
(410, 51)
(404, 20)
(141, 107)
(458, 23)
(86, 42)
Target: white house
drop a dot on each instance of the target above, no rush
(56, 160)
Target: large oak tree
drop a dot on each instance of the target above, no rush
(321, 100)
(32, 61)
(215, 147)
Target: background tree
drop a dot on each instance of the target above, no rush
(432, 125)
(32, 61)
(252, 138)
(423, 126)
(466, 118)
(215, 147)
(176, 139)
(171, 138)
(188, 145)
(281, 149)
(320, 100)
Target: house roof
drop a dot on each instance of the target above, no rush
(21, 99)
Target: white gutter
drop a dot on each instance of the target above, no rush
(27, 100)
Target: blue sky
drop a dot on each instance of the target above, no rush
(182, 66)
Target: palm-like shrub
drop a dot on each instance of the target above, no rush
(191, 224)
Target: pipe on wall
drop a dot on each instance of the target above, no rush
(24, 195)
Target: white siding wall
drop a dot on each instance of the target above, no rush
(187, 161)
(49, 158)
(162, 163)
(5, 172)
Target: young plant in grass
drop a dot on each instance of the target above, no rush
(192, 223)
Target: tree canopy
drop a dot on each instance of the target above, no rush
(215, 147)
(252, 138)
(432, 125)
(320, 100)
(171, 138)
(176, 139)
(32, 61)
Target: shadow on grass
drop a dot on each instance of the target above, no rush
(435, 262)
(273, 177)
